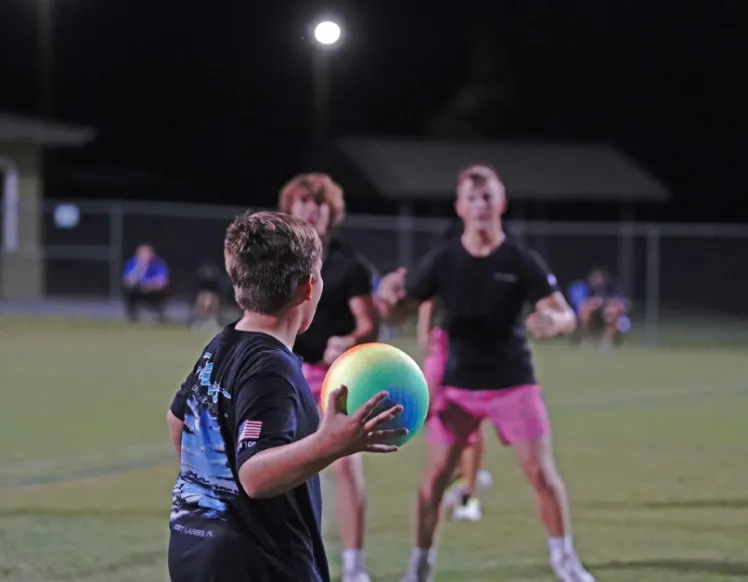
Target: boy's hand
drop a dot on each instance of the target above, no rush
(360, 431)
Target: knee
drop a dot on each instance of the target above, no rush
(435, 482)
(543, 477)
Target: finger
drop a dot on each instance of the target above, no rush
(382, 436)
(338, 400)
(381, 448)
(383, 417)
(368, 407)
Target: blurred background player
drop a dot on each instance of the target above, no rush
(484, 281)
(346, 316)
(145, 281)
(206, 308)
(470, 479)
(600, 305)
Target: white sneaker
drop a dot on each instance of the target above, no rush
(470, 511)
(453, 495)
(567, 568)
(356, 577)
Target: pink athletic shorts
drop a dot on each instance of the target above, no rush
(518, 414)
(315, 376)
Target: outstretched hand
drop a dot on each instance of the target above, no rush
(362, 431)
(541, 324)
(391, 289)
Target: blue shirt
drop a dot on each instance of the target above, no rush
(246, 394)
(155, 272)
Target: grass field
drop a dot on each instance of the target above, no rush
(653, 444)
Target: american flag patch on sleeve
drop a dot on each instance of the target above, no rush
(250, 431)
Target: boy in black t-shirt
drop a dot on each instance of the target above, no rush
(346, 316)
(484, 280)
(247, 504)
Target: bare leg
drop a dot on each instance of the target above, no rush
(536, 461)
(350, 501)
(471, 461)
(441, 463)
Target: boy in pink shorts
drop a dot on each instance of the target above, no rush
(346, 316)
(484, 280)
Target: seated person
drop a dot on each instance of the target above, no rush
(599, 303)
(207, 305)
(145, 280)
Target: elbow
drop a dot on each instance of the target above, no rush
(253, 483)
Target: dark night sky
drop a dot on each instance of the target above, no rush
(213, 101)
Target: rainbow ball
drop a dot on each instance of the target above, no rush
(367, 369)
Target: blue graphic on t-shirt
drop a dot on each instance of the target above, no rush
(206, 483)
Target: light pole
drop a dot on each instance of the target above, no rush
(327, 35)
(46, 58)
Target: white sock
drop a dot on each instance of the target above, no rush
(422, 560)
(562, 545)
(353, 560)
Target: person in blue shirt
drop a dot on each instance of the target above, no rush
(145, 281)
(599, 302)
(247, 505)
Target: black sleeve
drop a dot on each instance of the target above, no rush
(179, 404)
(539, 281)
(266, 415)
(422, 283)
(358, 282)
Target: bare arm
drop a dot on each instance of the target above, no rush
(367, 319)
(424, 325)
(279, 469)
(175, 432)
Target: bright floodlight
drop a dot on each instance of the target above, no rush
(327, 32)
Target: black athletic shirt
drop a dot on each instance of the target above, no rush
(345, 276)
(482, 304)
(246, 394)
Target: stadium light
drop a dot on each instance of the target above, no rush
(327, 32)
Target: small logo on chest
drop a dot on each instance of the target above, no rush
(505, 277)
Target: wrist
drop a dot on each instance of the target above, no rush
(325, 448)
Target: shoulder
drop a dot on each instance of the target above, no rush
(441, 251)
(348, 260)
(264, 359)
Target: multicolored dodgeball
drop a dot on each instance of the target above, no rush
(370, 368)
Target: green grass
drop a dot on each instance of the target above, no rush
(653, 444)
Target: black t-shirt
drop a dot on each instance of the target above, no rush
(482, 304)
(345, 276)
(247, 394)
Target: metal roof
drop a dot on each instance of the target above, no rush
(27, 130)
(427, 170)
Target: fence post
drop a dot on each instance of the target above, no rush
(652, 294)
(115, 250)
(626, 246)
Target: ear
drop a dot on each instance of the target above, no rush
(306, 288)
(458, 207)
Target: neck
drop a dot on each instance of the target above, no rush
(484, 240)
(284, 329)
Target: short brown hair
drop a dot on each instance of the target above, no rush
(268, 256)
(478, 174)
(321, 187)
